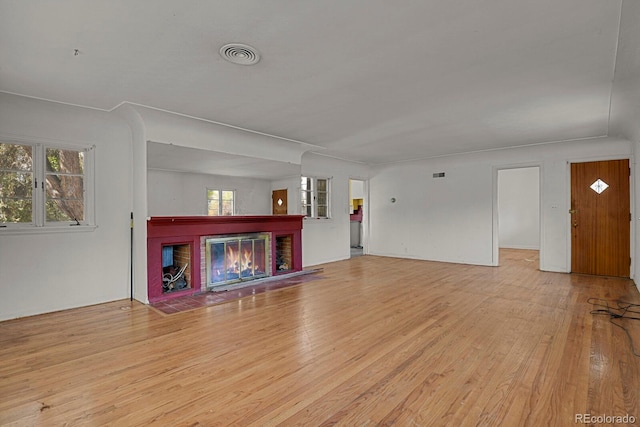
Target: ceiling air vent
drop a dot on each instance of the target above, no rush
(241, 54)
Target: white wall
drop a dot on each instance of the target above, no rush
(327, 240)
(139, 203)
(148, 124)
(519, 208)
(181, 193)
(357, 189)
(452, 218)
(442, 219)
(54, 271)
(324, 240)
(169, 128)
(625, 97)
(625, 102)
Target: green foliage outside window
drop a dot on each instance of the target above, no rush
(64, 183)
(16, 183)
(220, 202)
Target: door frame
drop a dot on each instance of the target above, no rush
(631, 205)
(365, 213)
(495, 240)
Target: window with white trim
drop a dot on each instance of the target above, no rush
(315, 196)
(220, 202)
(45, 185)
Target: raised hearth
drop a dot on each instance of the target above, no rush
(179, 251)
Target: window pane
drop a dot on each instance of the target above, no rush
(315, 196)
(306, 183)
(213, 207)
(306, 198)
(227, 202)
(15, 157)
(65, 185)
(16, 196)
(64, 197)
(213, 202)
(227, 207)
(64, 210)
(63, 171)
(16, 184)
(220, 202)
(65, 161)
(15, 210)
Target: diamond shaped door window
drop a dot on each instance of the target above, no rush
(599, 186)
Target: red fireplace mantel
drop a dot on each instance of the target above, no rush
(164, 226)
(187, 230)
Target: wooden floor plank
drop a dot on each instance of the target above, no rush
(373, 341)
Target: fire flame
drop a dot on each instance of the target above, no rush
(237, 263)
(246, 260)
(239, 260)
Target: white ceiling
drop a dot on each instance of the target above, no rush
(170, 157)
(371, 81)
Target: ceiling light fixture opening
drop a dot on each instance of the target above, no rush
(239, 53)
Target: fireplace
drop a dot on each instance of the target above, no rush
(236, 258)
(284, 253)
(176, 267)
(193, 254)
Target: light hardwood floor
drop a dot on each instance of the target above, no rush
(376, 341)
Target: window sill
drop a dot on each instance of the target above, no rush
(44, 230)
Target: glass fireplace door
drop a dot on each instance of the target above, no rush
(236, 258)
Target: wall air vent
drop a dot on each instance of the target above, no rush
(438, 175)
(241, 54)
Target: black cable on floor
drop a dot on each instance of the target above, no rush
(622, 310)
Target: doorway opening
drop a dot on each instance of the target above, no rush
(357, 216)
(518, 214)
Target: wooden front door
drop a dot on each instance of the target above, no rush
(600, 218)
(279, 202)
